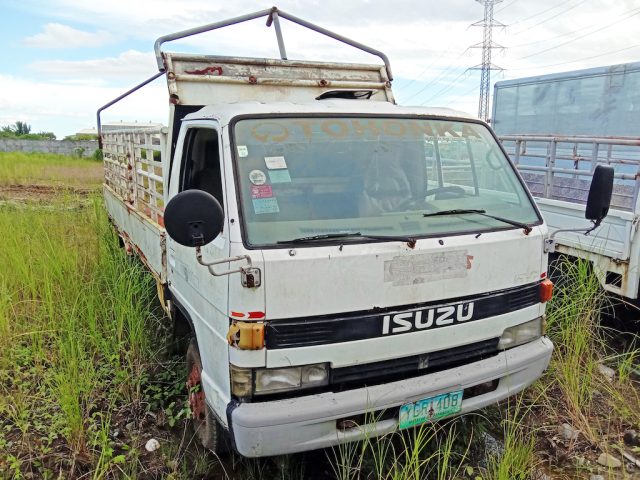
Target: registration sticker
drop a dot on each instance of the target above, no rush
(261, 191)
(257, 177)
(430, 409)
(279, 176)
(265, 205)
(243, 151)
(275, 163)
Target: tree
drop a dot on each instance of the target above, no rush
(21, 128)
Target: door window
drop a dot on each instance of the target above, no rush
(201, 169)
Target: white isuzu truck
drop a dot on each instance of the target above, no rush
(345, 266)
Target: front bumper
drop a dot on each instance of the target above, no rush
(308, 423)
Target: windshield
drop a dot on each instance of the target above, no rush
(309, 176)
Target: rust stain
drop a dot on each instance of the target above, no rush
(469, 260)
(206, 71)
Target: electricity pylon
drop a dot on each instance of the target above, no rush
(487, 44)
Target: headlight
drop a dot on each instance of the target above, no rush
(261, 381)
(520, 334)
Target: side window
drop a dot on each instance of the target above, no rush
(201, 163)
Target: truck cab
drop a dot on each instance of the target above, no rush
(369, 296)
(349, 267)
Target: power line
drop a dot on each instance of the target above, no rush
(451, 102)
(580, 37)
(433, 80)
(564, 34)
(543, 12)
(549, 19)
(579, 60)
(446, 88)
(508, 4)
(442, 54)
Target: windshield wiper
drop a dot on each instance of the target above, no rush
(515, 223)
(325, 236)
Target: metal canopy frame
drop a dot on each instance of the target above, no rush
(273, 18)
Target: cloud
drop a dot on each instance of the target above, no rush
(426, 41)
(131, 65)
(65, 109)
(57, 35)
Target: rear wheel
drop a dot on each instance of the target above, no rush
(207, 428)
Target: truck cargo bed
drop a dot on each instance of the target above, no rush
(133, 192)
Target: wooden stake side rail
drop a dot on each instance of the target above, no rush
(134, 169)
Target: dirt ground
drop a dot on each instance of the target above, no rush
(41, 193)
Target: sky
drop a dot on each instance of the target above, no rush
(62, 59)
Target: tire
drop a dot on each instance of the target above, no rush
(206, 427)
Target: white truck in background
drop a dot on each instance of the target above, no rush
(557, 128)
(339, 260)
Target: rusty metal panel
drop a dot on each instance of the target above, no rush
(206, 80)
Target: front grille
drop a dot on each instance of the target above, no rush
(376, 373)
(327, 329)
(407, 367)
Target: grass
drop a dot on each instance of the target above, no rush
(48, 169)
(85, 382)
(73, 309)
(85, 379)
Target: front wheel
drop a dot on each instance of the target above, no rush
(207, 428)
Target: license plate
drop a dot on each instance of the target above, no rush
(430, 409)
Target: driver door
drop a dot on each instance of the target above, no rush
(203, 295)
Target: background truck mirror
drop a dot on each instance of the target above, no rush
(193, 218)
(599, 194)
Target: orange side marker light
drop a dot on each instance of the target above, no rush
(546, 290)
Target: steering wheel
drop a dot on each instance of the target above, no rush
(454, 190)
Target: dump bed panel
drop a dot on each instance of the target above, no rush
(206, 80)
(133, 192)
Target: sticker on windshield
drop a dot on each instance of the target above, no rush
(265, 205)
(275, 163)
(243, 151)
(279, 176)
(257, 177)
(261, 191)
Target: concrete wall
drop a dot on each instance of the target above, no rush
(64, 147)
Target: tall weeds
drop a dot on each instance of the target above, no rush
(573, 324)
(76, 330)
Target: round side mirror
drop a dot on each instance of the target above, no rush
(193, 218)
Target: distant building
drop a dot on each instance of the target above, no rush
(87, 131)
(121, 124)
(117, 126)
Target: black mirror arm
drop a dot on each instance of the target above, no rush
(210, 265)
(596, 224)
